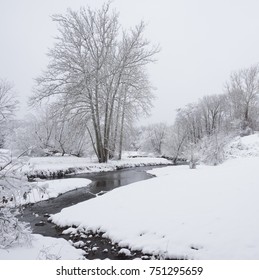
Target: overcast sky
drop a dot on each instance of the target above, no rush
(202, 42)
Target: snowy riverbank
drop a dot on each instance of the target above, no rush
(53, 188)
(58, 166)
(207, 213)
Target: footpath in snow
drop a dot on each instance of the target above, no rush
(205, 213)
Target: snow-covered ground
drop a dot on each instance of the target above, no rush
(42, 248)
(53, 188)
(49, 166)
(205, 213)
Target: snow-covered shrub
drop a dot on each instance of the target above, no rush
(211, 149)
(13, 183)
(192, 155)
(245, 129)
(46, 254)
(12, 187)
(12, 231)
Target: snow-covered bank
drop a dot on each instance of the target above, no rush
(205, 213)
(42, 248)
(53, 188)
(243, 147)
(58, 166)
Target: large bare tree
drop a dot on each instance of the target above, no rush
(91, 65)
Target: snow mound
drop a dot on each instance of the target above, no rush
(247, 146)
(125, 252)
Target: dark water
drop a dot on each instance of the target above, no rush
(101, 183)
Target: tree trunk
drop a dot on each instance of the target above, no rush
(122, 126)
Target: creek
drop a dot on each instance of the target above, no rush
(96, 247)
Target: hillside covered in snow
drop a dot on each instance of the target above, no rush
(241, 147)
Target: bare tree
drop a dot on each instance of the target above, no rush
(8, 105)
(175, 141)
(156, 135)
(212, 113)
(242, 90)
(8, 102)
(199, 128)
(91, 63)
(49, 132)
(190, 119)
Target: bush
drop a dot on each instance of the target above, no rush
(12, 187)
(12, 231)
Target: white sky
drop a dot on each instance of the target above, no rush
(202, 42)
